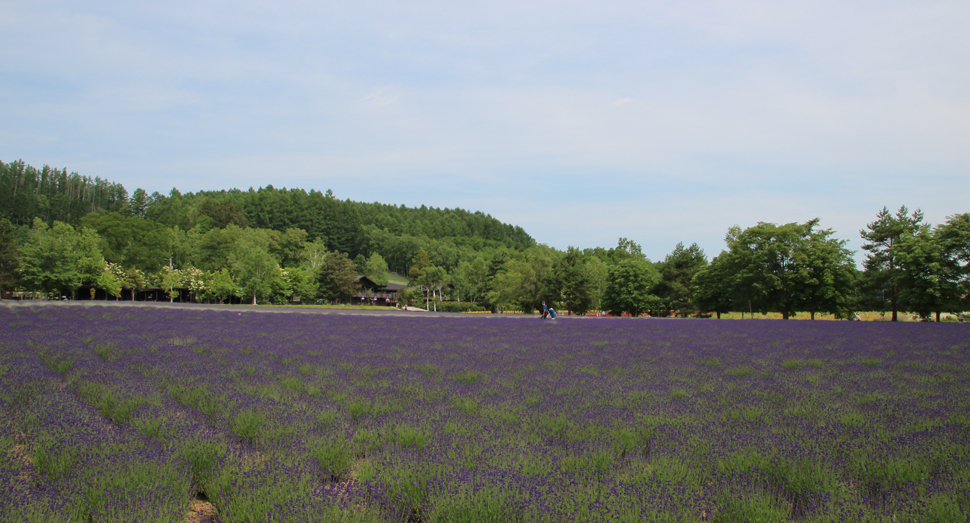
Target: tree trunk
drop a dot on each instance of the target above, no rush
(895, 306)
(718, 314)
(784, 314)
(254, 297)
(937, 316)
(813, 315)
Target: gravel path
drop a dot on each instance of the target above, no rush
(421, 313)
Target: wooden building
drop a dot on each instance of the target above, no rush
(373, 294)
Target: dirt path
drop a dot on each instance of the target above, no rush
(271, 309)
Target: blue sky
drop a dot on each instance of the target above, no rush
(580, 121)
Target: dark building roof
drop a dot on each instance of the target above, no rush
(368, 283)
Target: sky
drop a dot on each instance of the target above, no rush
(582, 122)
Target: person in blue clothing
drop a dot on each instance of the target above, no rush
(545, 310)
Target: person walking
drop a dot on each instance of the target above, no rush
(545, 310)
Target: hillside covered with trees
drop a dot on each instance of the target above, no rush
(62, 232)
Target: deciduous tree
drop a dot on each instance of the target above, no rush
(676, 273)
(629, 286)
(337, 278)
(56, 260)
(376, 269)
(827, 272)
(9, 259)
(253, 267)
(954, 236)
(883, 237)
(573, 281)
(929, 280)
(712, 287)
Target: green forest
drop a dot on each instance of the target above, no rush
(67, 235)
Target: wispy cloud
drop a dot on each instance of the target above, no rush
(380, 97)
(622, 101)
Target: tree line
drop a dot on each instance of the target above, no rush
(273, 245)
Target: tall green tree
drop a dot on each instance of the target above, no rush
(138, 203)
(109, 283)
(313, 254)
(954, 236)
(828, 273)
(221, 285)
(131, 241)
(432, 280)
(574, 281)
(133, 280)
(56, 260)
(786, 268)
(376, 269)
(762, 267)
(303, 282)
(712, 286)
(629, 286)
(676, 274)
(470, 279)
(929, 280)
(883, 237)
(337, 278)
(420, 262)
(525, 281)
(9, 259)
(253, 267)
(288, 246)
(214, 248)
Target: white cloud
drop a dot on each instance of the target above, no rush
(380, 97)
(449, 104)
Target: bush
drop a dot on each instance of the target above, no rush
(459, 306)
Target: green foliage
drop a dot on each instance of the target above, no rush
(883, 238)
(376, 269)
(409, 436)
(929, 280)
(302, 282)
(238, 241)
(574, 281)
(57, 259)
(469, 377)
(711, 287)
(131, 241)
(335, 457)
(9, 260)
(787, 268)
(221, 285)
(54, 195)
(336, 278)
(432, 279)
(248, 425)
(523, 282)
(629, 286)
(470, 279)
(256, 271)
(756, 508)
(677, 273)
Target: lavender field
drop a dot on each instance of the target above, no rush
(135, 414)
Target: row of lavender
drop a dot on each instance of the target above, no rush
(128, 414)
